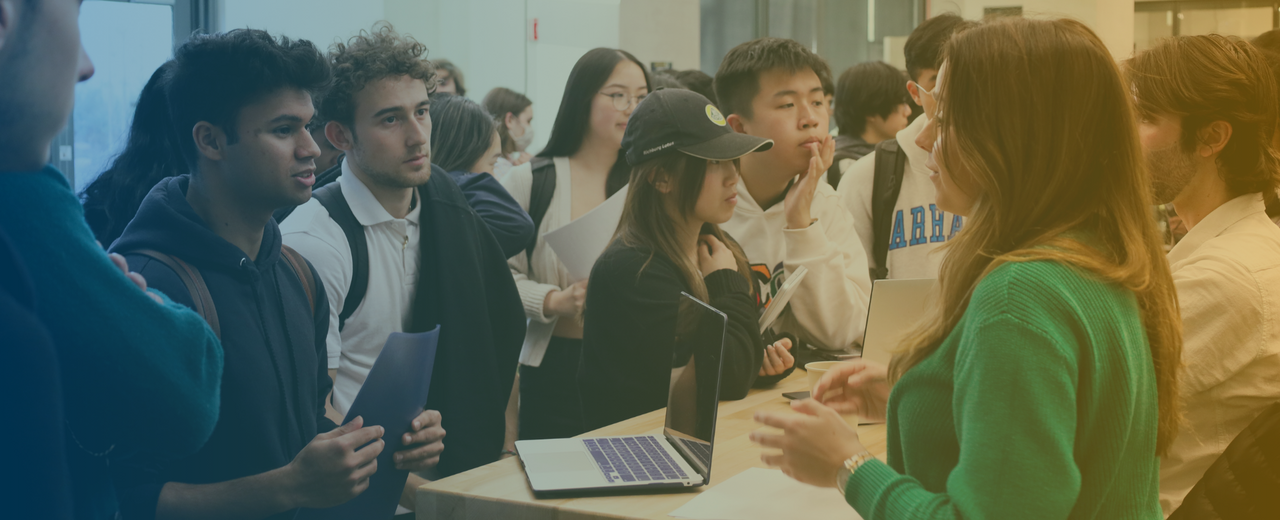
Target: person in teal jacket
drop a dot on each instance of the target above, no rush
(139, 373)
(1044, 383)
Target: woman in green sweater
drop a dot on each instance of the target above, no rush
(1043, 385)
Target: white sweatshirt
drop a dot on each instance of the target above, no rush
(919, 227)
(830, 308)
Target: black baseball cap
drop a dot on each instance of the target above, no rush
(671, 120)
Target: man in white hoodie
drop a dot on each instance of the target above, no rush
(786, 218)
(914, 227)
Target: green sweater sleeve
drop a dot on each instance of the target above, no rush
(136, 374)
(1015, 418)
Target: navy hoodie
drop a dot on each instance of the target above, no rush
(275, 376)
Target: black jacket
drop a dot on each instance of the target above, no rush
(275, 375)
(630, 330)
(465, 286)
(1243, 483)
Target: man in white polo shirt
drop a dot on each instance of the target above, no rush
(399, 250)
(1206, 132)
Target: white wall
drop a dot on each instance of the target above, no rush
(492, 40)
(662, 30)
(321, 21)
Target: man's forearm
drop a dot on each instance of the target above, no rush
(256, 496)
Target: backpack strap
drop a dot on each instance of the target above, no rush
(544, 188)
(194, 282)
(303, 271)
(323, 179)
(340, 211)
(833, 173)
(890, 165)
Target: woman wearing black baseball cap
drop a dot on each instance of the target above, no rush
(683, 178)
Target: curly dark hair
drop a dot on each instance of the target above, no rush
(368, 57)
(215, 76)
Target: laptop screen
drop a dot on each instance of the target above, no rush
(695, 381)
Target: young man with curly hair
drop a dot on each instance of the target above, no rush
(241, 101)
(430, 259)
(1208, 111)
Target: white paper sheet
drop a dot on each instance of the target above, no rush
(765, 494)
(580, 243)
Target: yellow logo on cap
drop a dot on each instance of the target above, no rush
(714, 115)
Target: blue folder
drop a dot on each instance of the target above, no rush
(392, 396)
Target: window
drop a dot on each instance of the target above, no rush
(127, 41)
(1154, 21)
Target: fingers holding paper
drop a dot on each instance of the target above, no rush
(423, 443)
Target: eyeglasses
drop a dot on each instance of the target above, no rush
(623, 101)
(921, 90)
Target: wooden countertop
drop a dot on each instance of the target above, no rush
(501, 490)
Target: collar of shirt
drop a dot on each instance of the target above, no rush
(1215, 223)
(907, 141)
(365, 206)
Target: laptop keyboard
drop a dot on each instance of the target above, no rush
(701, 450)
(633, 459)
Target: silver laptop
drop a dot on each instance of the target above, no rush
(894, 312)
(680, 457)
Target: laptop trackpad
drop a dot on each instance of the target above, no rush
(559, 461)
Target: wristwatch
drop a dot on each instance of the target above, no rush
(850, 466)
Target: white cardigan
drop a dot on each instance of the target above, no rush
(548, 273)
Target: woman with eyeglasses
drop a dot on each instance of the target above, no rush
(580, 167)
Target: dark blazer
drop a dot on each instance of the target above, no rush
(465, 286)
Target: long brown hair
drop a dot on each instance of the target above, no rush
(646, 222)
(1035, 114)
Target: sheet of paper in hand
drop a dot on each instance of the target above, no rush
(392, 396)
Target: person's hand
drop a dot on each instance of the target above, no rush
(777, 358)
(814, 443)
(423, 443)
(566, 302)
(799, 198)
(524, 157)
(713, 255)
(137, 279)
(857, 387)
(335, 466)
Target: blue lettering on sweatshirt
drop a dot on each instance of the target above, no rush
(898, 239)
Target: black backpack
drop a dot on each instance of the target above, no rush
(543, 189)
(891, 164)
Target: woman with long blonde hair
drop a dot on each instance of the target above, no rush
(1043, 383)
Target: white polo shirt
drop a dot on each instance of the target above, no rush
(393, 274)
(1227, 273)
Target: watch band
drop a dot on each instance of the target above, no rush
(846, 470)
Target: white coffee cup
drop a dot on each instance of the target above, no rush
(816, 370)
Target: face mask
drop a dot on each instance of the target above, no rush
(523, 142)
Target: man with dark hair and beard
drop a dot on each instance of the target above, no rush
(1209, 110)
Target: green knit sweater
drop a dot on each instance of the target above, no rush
(1041, 404)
